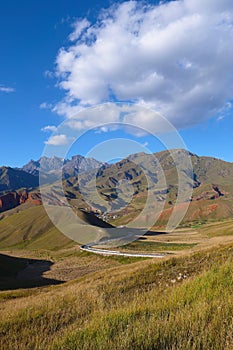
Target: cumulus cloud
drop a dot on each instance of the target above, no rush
(6, 89)
(58, 140)
(79, 27)
(175, 57)
(49, 128)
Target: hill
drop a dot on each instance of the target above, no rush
(183, 303)
(32, 229)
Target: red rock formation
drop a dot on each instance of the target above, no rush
(23, 196)
(13, 199)
(35, 198)
(9, 201)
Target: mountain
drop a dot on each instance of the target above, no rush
(28, 176)
(78, 164)
(118, 192)
(44, 163)
(12, 179)
(71, 167)
(211, 180)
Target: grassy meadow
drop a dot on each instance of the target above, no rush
(180, 303)
(61, 298)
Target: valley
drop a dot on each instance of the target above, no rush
(105, 297)
(116, 175)
(82, 300)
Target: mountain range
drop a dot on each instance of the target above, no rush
(86, 180)
(12, 179)
(73, 166)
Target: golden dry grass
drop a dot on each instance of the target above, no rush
(180, 303)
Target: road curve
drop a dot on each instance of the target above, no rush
(89, 248)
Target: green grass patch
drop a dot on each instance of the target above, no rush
(31, 229)
(149, 246)
(195, 315)
(217, 229)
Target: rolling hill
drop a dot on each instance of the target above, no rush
(32, 229)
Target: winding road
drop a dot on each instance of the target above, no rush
(106, 252)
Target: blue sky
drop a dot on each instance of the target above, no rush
(40, 38)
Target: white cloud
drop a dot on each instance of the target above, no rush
(66, 109)
(175, 57)
(58, 140)
(85, 118)
(79, 27)
(6, 89)
(51, 128)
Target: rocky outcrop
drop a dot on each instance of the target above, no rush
(9, 201)
(214, 193)
(34, 198)
(12, 199)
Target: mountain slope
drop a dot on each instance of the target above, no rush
(211, 181)
(121, 189)
(12, 179)
(28, 176)
(32, 229)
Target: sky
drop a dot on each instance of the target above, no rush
(60, 59)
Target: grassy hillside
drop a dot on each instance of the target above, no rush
(31, 229)
(183, 303)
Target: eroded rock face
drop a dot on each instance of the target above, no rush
(9, 201)
(35, 198)
(13, 199)
(212, 194)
